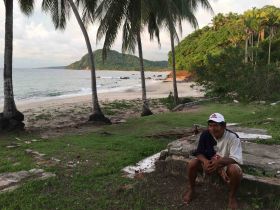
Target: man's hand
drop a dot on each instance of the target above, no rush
(212, 166)
(215, 163)
(206, 165)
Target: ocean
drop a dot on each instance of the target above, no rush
(43, 84)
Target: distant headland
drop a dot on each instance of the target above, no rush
(116, 61)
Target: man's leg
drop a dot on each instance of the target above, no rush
(193, 167)
(234, 173)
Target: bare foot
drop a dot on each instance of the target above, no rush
(188, 196)
(232, 204)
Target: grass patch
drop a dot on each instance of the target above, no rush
(89, 185)
(43, 116)
(117, 106)
(96, 181)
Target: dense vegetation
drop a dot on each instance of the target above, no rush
(117, 61)
(238, 56)
(224, 75)
(229, 31)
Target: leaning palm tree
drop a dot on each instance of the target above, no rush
(11, 118)
(60, 11)
(132, 15)
(170, 15)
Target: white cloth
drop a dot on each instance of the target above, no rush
(229, 145)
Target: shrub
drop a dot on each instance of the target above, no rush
(226, 75)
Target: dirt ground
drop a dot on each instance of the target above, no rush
(73, 118)
(166, 192)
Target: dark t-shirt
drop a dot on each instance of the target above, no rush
(206, 145)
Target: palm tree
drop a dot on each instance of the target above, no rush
(249, 33)
(259, 30)
(11, 118)
(170, 15)
(60, 11)
(133, 15)
(252, 24)
(270, 18)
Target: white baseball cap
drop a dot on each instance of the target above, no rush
(216, 117)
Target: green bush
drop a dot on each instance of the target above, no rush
(227, 76)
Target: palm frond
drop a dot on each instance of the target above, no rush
(88, 10)
(59, 11)
(110, 24)
(129, 39)
(26, 6)
(153, 27)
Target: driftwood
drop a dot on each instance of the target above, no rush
(178, 132)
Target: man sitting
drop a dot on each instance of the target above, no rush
(219, 150)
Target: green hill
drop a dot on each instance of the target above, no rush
(117, 61)
(231, 30)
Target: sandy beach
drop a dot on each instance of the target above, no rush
(73, 111)
(155, 89)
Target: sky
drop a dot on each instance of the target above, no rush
(37, 43)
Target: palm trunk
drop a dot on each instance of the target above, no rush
(257, 50)
(246, 50)
(9, 103)
(11, 118)
(269, 46)
(176, 99)
(97, 114)
(145, 109)
(252, 45)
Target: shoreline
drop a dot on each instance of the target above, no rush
(55, 114)
(154, 90)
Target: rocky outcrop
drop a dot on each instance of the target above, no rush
(11, 181)
(181, 76)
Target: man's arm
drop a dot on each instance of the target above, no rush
(203, 149)
(205, 162)
(225, 161)
(202, 158)
(219, 163)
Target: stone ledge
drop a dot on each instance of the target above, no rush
(263, 159)
(177, 166)
(12, 180)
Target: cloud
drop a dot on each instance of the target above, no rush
(37, 43)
